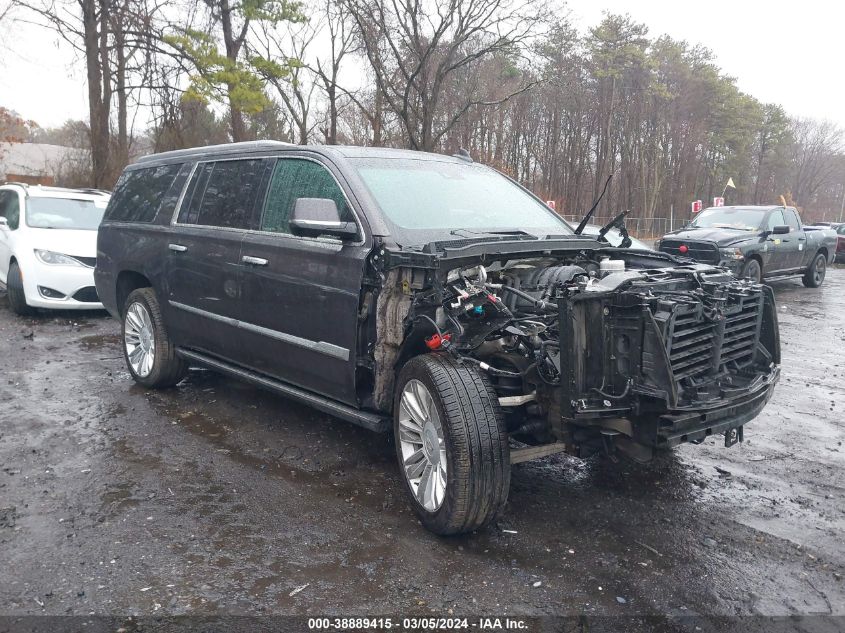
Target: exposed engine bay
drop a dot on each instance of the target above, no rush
(607, 350)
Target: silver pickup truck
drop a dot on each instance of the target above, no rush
(756, 242)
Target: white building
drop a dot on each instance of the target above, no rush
(37, 163)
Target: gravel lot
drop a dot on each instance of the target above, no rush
(218, 498)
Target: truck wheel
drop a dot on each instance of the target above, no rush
(814, 276)
(451, 444)
(150, 355)
(752, 271)
(16, 292)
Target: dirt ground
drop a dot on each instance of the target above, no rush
(218, 498)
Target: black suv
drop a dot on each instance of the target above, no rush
(431, 295)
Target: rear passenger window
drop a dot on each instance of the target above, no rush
(223, 194)
(791, 220)
(299, 178)
(139, 193)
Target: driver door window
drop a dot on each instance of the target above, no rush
(295, 178)
(775, 219)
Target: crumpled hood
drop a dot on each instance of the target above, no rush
(722, 237)
(76, 243)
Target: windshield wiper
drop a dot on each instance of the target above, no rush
(593, 208)
(618, 223)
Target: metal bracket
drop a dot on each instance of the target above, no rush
(733, 436)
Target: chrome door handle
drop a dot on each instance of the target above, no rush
(255, 261)
(178, 248)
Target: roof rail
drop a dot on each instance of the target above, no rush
(223, 148)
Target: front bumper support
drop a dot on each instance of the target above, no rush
(678, 427)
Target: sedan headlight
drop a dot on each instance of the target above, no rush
(56, 259)
(731, 253)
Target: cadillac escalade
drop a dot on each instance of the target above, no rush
(432, 296)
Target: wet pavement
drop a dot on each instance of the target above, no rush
(218, 498)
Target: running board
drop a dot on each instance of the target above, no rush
(370, 421)
(783, 277)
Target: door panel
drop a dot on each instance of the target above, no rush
(300, 296)
(299, 311)
(9, 209)
(204, 255)
(797, 241)
(203, 276)
(777, 249)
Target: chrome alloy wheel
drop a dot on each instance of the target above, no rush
(422, 446)
(139, 339)
(819, 270)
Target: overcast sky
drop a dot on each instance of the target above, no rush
(785, 52)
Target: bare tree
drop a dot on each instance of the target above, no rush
(291, 78)
(415, 47)
(112, 37)
(342, 43)
(817, 144)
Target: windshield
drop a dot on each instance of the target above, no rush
(65, 213)
(730, 218)
(427, 200)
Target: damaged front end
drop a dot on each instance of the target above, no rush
(657, 358)
(587, 349)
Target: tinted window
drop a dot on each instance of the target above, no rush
(776, 219)
(224, 194)
(193, 197)
(841, 230)
(139, 193)
(10, 208)
(295, 178)
(792, 219)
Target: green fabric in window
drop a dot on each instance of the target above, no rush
(295, 178)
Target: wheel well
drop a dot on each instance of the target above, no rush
(756, 257)
(127, 281)
(822, 251)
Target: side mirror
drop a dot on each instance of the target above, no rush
(781, 229)
(320, 216)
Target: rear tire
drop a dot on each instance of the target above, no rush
(753, 271)
(16, 292)
(447, 418)
(150, 355)
(815, 274)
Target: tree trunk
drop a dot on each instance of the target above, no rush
(122, 157)
(98, 104)
(233, 49)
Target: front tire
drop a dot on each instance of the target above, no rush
(753, 271)
(16, 292)
(815, 274)
(451, 444)
(150, 355)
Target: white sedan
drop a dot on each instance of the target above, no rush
(48, 246)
